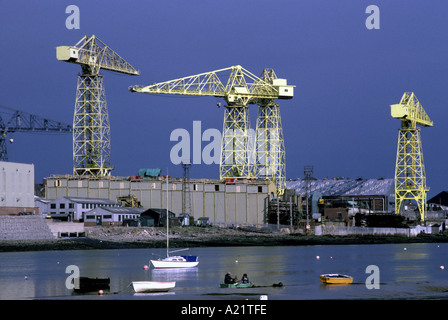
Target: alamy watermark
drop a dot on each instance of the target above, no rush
(373, 280)
(73, 20)
(72, 281)
(211, 152)
(373, 20)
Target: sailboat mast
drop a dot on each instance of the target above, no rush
(167, 220)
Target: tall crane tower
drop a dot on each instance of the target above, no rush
(12, 120)
(240, 88)
(91, 127)
(410, 176)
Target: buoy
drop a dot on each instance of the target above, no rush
(145, 267)
(26, 278)
(442, 267)
(236, 261)
(404, 249)
(317, 257)
(100, 292)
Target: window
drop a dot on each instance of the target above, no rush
(195, 187)
(260, 189)
(53, 206)
(71, 205)
(62, 205)
(91, 217)
(216, 187)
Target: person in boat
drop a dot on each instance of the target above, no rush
(228, 278)
(245, 278)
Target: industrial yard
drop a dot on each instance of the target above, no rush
(250, 186)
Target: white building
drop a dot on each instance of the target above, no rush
(111, 215)
(16, 186)
(73, 208)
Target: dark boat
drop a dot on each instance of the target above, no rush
(92, 284)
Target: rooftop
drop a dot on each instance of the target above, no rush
(344, 187)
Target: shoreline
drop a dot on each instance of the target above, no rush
(193, 237)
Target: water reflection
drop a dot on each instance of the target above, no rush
(178, 274)
(413, 272)
(411, 263)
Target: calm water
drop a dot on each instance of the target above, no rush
(408, 271)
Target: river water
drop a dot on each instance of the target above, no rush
(404, 271)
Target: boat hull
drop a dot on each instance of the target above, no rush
(237, 285)
(86, 284)
(335, 278)
(175, 262)
(152, 286)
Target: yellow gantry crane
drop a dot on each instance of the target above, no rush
(239, 89)
(91, 127)
(410, 176)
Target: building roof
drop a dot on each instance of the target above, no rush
(119, 210)
(91, 200)
(344, 187)
(441, 199)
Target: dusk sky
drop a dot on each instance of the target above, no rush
(346, 78)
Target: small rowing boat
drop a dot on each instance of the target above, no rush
(237, 285)
(335, 278)
(152, 286)
(86, 284)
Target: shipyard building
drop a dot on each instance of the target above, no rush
(223, 203)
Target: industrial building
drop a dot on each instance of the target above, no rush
(73, 208)
(111, 216)
(16, 188)
(376, 195)
(231, 203)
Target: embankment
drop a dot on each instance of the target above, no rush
(122, 238)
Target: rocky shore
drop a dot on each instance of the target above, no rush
(182, 237)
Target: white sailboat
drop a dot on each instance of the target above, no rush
(177, 261)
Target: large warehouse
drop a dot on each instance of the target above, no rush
(233, 202)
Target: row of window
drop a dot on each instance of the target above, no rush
(62, 206)
(121, 217)
(84, 205)
(153, 186)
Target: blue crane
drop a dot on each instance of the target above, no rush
(12, 120)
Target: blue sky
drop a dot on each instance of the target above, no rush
(346, 76)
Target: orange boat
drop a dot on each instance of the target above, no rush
(335, 278)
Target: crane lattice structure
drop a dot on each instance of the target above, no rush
(410, 176)
(242, 88)
(91, 127)
(12, 120)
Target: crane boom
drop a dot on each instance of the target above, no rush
(93, 54)
(12, 120)
(240, 89)
(241, 86)
(410, 110)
